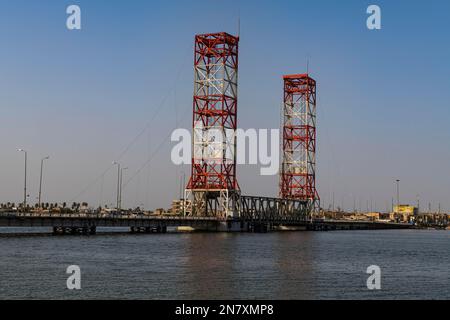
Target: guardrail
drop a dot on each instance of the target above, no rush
(99, 216)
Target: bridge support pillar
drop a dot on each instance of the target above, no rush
(74, 230)
(259, 227)
(151, 229)
(231, 226)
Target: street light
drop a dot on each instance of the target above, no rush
(25, 183)
(121, 186)
(118, 184)
(40, 181)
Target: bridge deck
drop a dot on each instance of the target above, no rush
(201, 223)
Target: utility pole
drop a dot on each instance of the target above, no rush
(398, 192)
(181, 186)
(359, 204)
(118, 184)
(25, 183)
(333, 201)
(183, 194)
(40, 181)
(121, 187)
(354, 205)
(418, 204)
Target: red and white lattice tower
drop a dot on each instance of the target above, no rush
(298, 168)
(213, 189)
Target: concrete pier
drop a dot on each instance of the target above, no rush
(154, 229)
(74, 230)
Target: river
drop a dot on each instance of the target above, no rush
(415, 264)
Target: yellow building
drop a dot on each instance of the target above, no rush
(404, 212)
(405, 209)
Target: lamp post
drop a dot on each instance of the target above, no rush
(40, 180)
(25, 182)
(118, 184)
(121, 186)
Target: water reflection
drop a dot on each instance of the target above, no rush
(209, 266)
(248, 266)
(295, 256)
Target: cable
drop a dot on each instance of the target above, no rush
(153, 154)
(136, 138)
(91, 184)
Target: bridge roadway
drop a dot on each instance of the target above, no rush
(87, 223)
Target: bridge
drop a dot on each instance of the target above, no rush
(83, 223)
(213, 199)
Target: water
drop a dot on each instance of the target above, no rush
(289, 265)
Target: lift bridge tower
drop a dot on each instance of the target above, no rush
(298, 165)
(213, 189)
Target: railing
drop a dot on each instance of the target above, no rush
(98, 216)
(273, 209)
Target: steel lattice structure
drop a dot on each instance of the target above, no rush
(213, 187)
(298, 168)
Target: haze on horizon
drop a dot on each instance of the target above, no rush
(116, 89)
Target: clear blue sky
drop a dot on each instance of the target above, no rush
(83, 96)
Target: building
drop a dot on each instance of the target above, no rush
(405, 209)
(373, 216)
(178, 206)
(404, 213)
